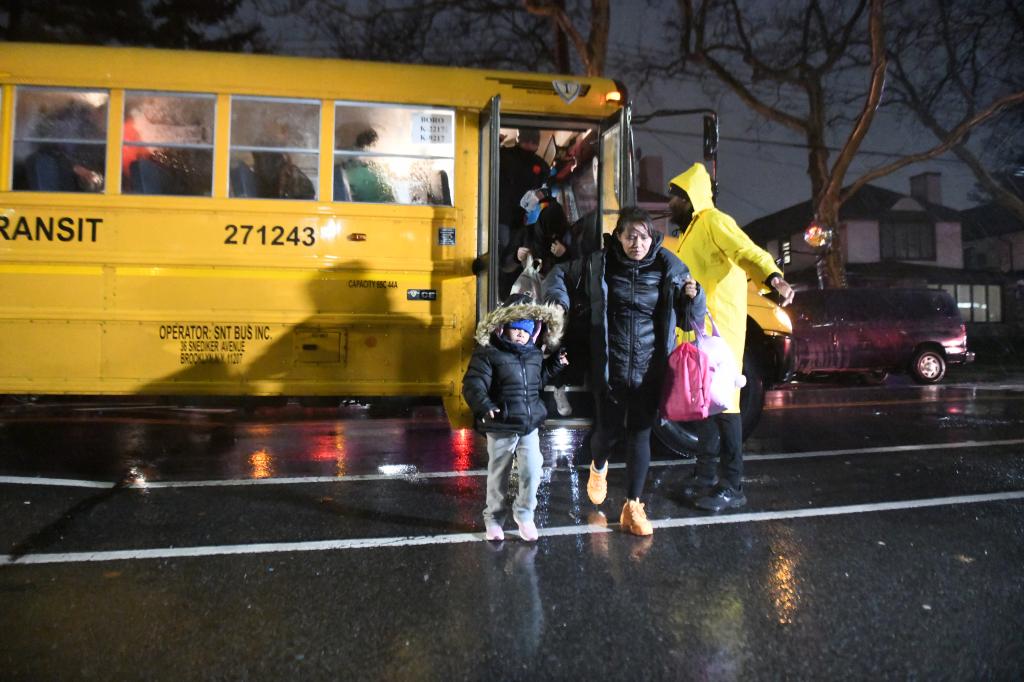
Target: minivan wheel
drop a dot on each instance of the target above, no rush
(928, 366)
(876, 378)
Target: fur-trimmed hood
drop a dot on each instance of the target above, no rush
(551, 319)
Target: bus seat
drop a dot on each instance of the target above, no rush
(342, 192)
(446, 188)
(440, 193)
(47, 173)
(149, 177)
(243, 181)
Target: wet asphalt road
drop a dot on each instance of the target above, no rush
(884, 538)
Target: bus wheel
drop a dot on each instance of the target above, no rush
(679, 438)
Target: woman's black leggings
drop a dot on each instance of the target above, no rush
(623, 430)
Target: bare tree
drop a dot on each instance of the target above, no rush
(209, 25)
(791, 64)
(478, 33)
(592, 50)
(532, 35)
(951, 62)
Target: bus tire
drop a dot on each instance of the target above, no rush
(680, 438)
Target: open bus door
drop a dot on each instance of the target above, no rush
(616, 168)
(485, 265)
(488, 238)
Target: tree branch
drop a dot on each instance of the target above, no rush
(839, 46)
(955, 136)
(750, 99)
(592, 63)
(876, 32)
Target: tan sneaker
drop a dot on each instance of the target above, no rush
(634, 519)
(597, 484)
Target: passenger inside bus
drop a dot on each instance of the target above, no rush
(545, 236)
(277, 177)
(130, 153)
(167, 144)
(366, 179)
(73, 157)
(571, 183)
(520, 169)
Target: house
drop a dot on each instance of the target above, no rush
(891, 239)
(993, 239)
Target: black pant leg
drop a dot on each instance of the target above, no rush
(606, 438)
(708, 445)
(730, 428)
(638, 460)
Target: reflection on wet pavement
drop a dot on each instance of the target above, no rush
(365, 557)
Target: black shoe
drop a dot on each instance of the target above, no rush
(722, 498)
(695, 487)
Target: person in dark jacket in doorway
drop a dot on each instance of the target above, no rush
(502, 386)
(637, 293)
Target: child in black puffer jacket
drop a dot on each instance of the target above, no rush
(502, 386)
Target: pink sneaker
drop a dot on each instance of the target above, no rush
(527, 530)
(494, 531)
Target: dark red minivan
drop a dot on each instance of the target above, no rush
(877, 331)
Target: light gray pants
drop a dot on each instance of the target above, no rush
(500, 450)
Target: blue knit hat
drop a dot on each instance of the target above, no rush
(526, 325)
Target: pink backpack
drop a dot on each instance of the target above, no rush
(687, 392)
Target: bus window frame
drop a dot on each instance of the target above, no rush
(231, 147)
(212, 146)
(15, 89)
(336, 152)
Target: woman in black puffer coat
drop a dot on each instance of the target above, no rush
(634, 294)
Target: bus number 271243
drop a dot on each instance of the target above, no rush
(269, 235)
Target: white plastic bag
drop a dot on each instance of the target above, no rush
(529, 281)
(725, 375)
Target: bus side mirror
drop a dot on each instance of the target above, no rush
(710, 137)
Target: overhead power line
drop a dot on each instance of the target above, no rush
(780, 143)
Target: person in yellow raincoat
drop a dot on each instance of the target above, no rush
(721, 258)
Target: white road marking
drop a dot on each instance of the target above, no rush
(459, 538)
(298, 480)
(61, 482)
(889, 448)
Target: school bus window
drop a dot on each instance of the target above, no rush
(60, 139)
(168, 144)
(393, 154)
(274, 148)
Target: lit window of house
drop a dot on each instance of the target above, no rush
(977, 302)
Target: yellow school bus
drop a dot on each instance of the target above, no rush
(216, 224)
